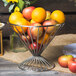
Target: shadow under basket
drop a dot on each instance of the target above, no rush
(36, 39)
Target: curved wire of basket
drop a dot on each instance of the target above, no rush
(36, 63)
(42, 46)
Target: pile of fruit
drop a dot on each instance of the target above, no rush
(36, 16)
(68, 61)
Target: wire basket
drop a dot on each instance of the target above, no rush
(36, 39)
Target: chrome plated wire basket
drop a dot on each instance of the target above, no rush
(36, 39)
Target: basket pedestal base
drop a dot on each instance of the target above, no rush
(36, 63)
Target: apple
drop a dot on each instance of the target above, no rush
(24, 38)
(35, 46)
(48, 13)
(47, 23)
(63, 60)
(27, 12)
(34, 30)
(72, 65)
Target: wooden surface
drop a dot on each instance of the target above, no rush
(49, 5)
(57, 4)
(8, 68)
(7, 30)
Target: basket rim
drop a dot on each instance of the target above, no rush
(35, 26)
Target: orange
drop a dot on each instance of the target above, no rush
(45, 39)
(58, 16)
(14, 16)
(39, 14)
(21, 21)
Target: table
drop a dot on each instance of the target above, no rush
(8, 68)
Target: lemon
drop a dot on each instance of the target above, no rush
(14, 16)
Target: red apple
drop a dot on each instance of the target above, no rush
(27, 12)
(35, 46)
(24, 38)
(47, 23)
(72, 65)
(34, 30)
(63, 60)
